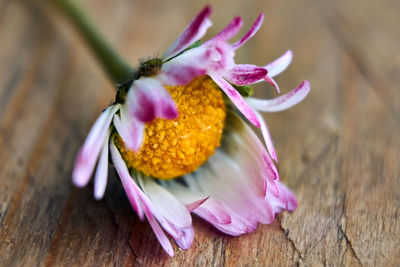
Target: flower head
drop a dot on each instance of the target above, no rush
(179, 144)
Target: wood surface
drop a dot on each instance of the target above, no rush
(339, 149)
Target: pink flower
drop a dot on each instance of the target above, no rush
(238, 187)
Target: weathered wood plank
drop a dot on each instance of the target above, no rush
(339, 150)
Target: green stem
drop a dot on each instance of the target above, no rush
(119, 71)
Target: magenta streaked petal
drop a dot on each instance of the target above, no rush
(285, 200)
(272, 82)
(148, 99)
(214, 212)
(140, 102)
(244, 74)
(90, 151)
(131, 189)
(256, 26)
(271, 166)
(275, 68)
(267, 137)
(282, 102)
(161, 237)
(183, 69)
(194, 205)
(168, 206)
(209, 209)
(223, 218)
(279, 65)
(186, 239)
(130, 129)
(100, 178)
(229, 31)
(254, 151)
(221, 57)
(180, 75)
(214, 58)
(137, 198)
(196, 29)
(236, 99)
(239, 192)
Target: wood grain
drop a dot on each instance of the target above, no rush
(339, 150)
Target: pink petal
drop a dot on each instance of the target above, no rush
(142, 204)
(267, 137)
(236, 99)
(168, 226)
(284, 201)
(279, 65)
(214, 58)
(221, 57)
(130, 129)
(184, 68)
(214, 212)
(252, 149)
(283, 102)
(195, 201)
(276, 68)
(240, 193)
(161, 237)
(89, 152)
(244, 74)
(196, 29)
(272, 82)
(148, 99)
(240, 196)
(229, 31)
(168, 206)
(132, 191)
(186, 240)
(100, 179)
(250, 33)
(194, 205)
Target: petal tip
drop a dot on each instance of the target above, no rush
(78, 181)
(98, 197)
(207, 10)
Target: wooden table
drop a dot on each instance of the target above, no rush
(339, 150)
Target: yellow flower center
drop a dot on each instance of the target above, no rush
(172, 148)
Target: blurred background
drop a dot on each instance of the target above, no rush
(339, 149)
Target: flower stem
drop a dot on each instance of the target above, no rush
(116, 68)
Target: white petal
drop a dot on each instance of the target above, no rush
(132, 191)
(169, 207)
(100, 179)
(196, 29)
(267, 136)
(282, 102)
(279, 65)
(148, 99)
(89, 152)
(162, 238)
(236, 99)
(130, 129)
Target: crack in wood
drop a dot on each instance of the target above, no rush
(349, 244)
(291, 241)
(343, 231)
(3, 216)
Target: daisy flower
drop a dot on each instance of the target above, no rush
(179, 138)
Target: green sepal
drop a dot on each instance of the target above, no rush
(123, 89)
(244, 90)
(194, 45)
